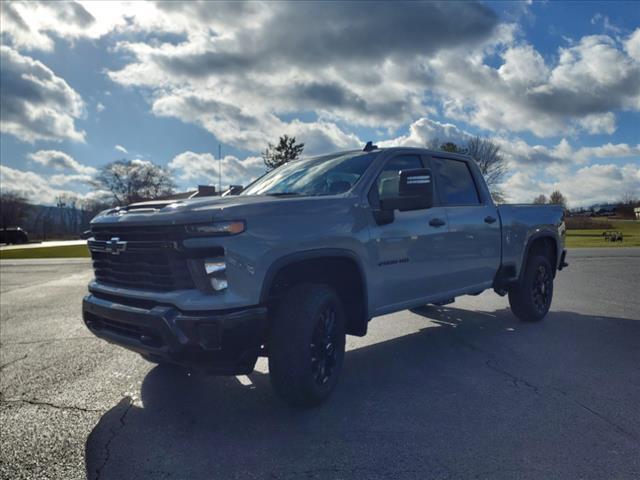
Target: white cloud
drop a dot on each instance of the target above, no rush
(60, 160)
(521, 154)
(238, 59)
(120, 148)
(425, 132)
(253, 86)
(599, 183)
(591, 80)
(100, 107)
(242, 83)
(36, 104)
(250, 129)
(35, 25)
(36, 188)
(202, 168)
(632, 45)
(62, 179)
(523, 66)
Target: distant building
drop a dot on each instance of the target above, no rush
(636, 211)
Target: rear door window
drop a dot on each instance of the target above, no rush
(455, 183)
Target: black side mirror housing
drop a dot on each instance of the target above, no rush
(415, 191)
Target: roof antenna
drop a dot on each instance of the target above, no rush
(369, 147)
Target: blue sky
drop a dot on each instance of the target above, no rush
(556, 84)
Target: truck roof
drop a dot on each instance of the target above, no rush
(418, 151)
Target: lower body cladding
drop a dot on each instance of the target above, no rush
(219, 342)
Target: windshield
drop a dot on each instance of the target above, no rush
(327, 175)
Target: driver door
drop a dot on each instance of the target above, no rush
(407, 253)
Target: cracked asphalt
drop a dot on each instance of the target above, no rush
(457, 392)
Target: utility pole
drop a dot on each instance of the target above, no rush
(219, 169)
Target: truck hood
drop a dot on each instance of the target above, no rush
(206, 209)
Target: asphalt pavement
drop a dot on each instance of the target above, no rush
(457, 392)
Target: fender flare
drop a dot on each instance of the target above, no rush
(532, 238)
(313, 254)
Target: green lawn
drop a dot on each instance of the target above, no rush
(66, 251)
(593, 238)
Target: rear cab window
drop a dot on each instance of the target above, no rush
(455, 183)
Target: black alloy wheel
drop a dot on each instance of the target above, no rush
(541, 289)
(323, 346)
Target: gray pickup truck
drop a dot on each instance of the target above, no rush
(308, 253)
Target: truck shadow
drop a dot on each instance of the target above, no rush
(462, 389)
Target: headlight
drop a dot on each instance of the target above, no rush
(218, 228)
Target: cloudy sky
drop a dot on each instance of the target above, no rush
(83, 84)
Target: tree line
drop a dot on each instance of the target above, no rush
(556, 198)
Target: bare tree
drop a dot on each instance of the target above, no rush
(629, 198)
(492, 164)
(70, 215)
(286, 151)
(14, 209)
(93, 206)
(557, 198)
(131, 181)
(451, 147)
(540, 199)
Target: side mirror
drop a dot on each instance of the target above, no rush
(415, 191)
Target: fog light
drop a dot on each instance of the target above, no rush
(219, 283)
(214, 266)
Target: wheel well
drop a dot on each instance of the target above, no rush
(341, 273)
(545, 246)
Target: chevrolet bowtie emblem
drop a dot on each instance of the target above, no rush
(115, 246)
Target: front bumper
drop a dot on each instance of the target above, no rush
(220, 342)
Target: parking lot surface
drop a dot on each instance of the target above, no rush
(457, 392)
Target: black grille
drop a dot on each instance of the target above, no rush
(150, 259)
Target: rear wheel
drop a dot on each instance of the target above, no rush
(306, 346)
(530, 300)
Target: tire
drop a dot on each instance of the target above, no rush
(531, 299)
(306, 345)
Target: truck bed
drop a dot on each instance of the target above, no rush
(522, 222)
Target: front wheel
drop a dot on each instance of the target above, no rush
(306, 346)
(530, 300)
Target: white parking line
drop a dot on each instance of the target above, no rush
(244, 380)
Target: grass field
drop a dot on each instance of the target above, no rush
(593, 238)
(66, 251)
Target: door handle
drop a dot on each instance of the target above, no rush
(436, 222)
(489, 219)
